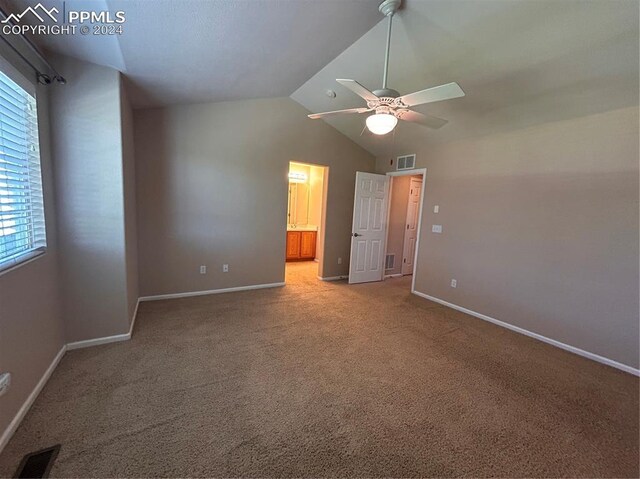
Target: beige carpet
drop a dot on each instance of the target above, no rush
(327, 379)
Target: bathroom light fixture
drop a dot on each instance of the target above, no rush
(297, 177)
(381, 123)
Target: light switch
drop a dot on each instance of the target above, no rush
(436, 228)
(436, 208)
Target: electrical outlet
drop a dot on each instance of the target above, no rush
(454, 283)
(436, 209)
(5, 382)
(339, 260)
(225, 268)
(436, 228)
(203, 269)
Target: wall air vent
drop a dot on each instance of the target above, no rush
(407, 162)
(390, 261)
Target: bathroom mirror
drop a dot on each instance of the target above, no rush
(298, 213)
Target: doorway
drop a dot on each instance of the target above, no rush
(306, 215)
(402, 231)
(386, 225)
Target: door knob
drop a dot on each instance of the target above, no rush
(356, 234)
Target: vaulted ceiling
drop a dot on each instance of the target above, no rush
(520, 62)
(187, 51)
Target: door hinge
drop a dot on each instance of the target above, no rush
(404, 260)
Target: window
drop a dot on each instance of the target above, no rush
(22, 228)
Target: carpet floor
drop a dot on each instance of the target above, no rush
(327, 379)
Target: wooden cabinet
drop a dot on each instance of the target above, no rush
(293, 245)
(307, 244)
(301, 245)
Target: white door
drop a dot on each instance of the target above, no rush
(369, 228)
(411, 232)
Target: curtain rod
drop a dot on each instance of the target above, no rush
(42, 78)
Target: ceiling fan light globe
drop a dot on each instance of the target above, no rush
(381, 123)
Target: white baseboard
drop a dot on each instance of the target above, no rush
(13, 425)
(211, 291)
(332, 278)
(539, 337)
(133, 319)
(107, 339)
(97, 341)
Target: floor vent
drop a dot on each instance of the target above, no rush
(38, 464)
(390, 261)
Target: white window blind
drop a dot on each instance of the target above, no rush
(22, 227)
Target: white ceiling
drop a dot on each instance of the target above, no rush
(186, 51)
(520, 63)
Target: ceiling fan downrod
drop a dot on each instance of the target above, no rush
(386, 56)
(388, 8)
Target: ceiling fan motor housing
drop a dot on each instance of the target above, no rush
(387, 98)
(386, 93)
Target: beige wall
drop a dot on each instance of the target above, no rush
(212, 189)
(130, 210)
(397, 220)
(31, 324)
(87, 150)
(316, 175)
(540, 228)
(316, 202)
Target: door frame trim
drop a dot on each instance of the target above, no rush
(414, 172)
(412, 181)
(321, 232)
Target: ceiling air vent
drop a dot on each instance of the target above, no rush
(407, 162)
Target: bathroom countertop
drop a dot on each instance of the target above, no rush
(302, 228)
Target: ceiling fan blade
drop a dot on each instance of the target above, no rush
(430, 95)
(315, 116)
(358, 89)
(426, 120)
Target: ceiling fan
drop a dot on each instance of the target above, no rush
(388, 105)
